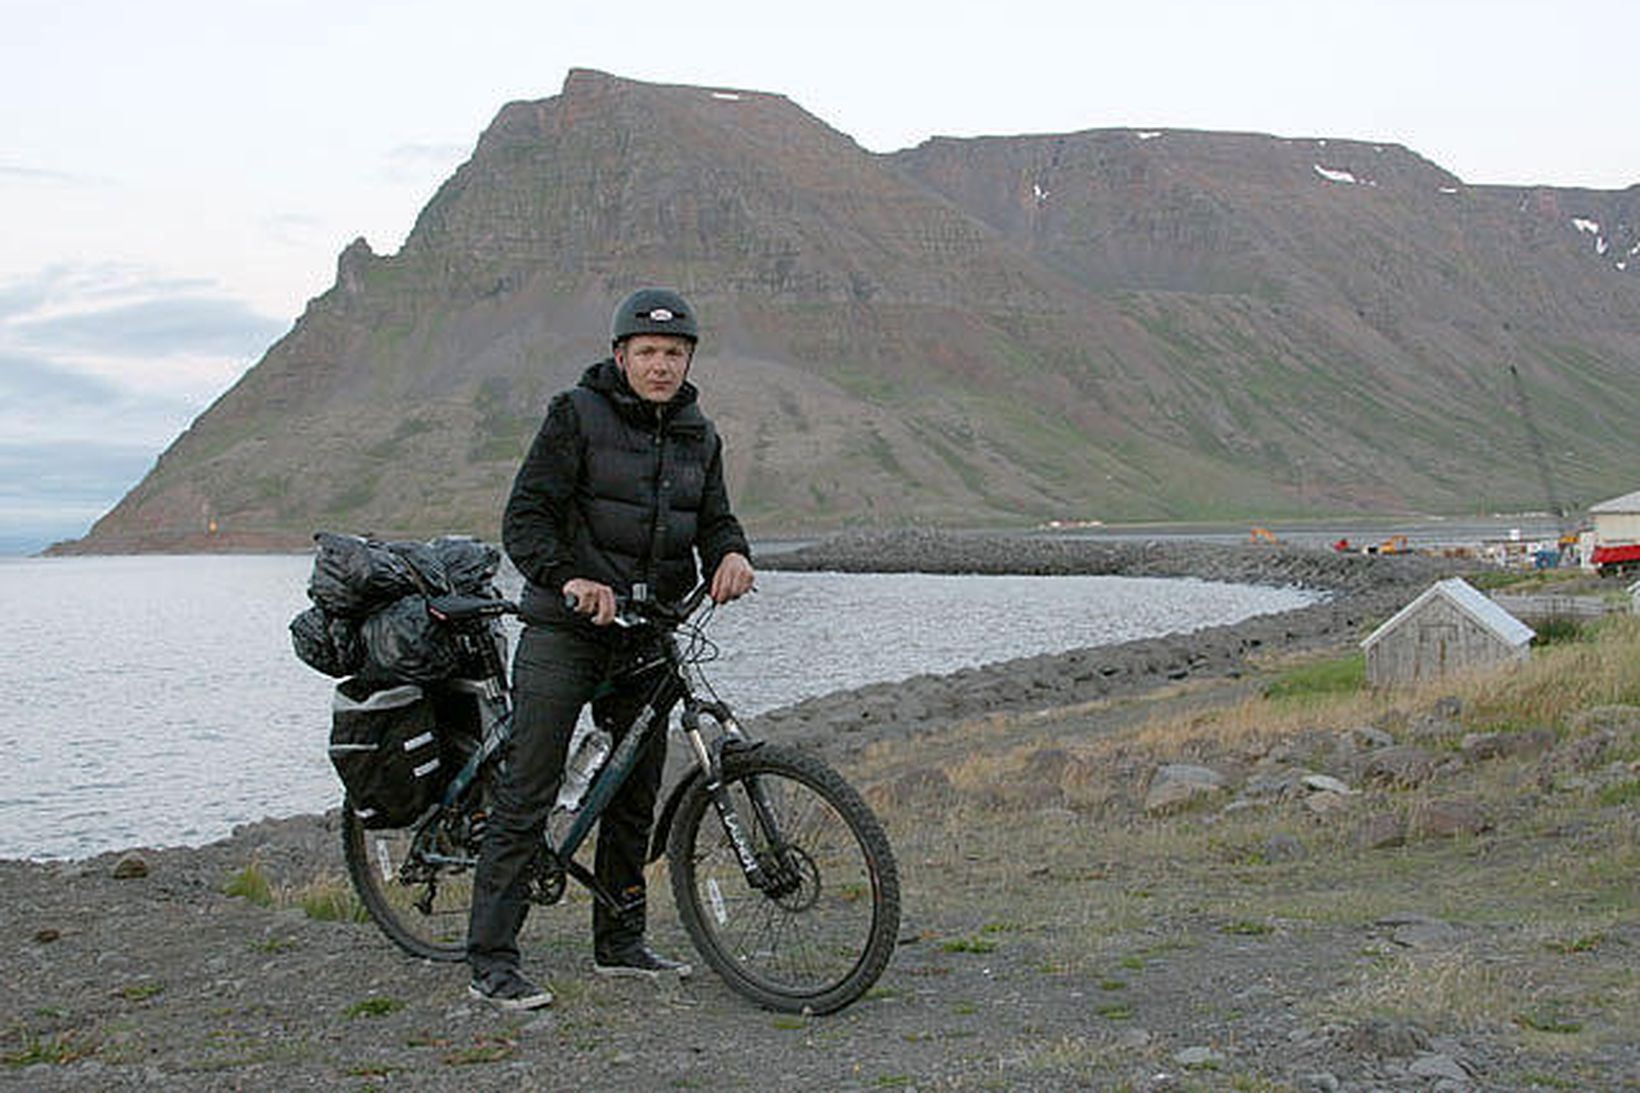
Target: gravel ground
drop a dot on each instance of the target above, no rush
(159, 980)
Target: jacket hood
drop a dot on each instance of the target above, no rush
(607, 379)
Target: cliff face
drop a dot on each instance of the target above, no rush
(1112, 324)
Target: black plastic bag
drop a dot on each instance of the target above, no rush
(470, 564)
(426, 564)
(354, 576)
(326, 642)
(386, 750)
(403, 643)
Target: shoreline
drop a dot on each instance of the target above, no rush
(1360, 589)
(842, 723)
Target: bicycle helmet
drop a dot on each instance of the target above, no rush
(653, 311)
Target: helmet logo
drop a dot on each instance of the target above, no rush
(661, 315)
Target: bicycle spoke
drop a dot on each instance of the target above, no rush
(819, 933)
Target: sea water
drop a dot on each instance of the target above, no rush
(155, 700)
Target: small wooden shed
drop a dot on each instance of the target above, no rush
(1450, 628)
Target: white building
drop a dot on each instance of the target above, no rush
(1617, 520)
(1616, 534)
(1450, 628)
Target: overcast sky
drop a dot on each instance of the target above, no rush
(177, 177)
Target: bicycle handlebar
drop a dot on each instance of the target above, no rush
(630, 611)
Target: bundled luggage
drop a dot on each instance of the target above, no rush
(393, 727)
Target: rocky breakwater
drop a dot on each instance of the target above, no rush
(1359, 591)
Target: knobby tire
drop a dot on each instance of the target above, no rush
(819, 946)
(374, 858)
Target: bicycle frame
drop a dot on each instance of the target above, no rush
(782, 877)
(671, 687)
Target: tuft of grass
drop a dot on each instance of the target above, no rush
(1115, 1011)
(325, 899)
(1619, 794)
(378, 1006)
(330, 900)
(1550, 1019)
(1320, 680)
(1560, 631)
(250, 883)
(968, 945)
(1246, 928)
(491, 1049)
(141, 992)
(275, 944)
(1587, 943)
(52, 1050)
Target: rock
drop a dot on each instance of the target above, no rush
(1402, 766)
(1380, 831)
(1434, 1065)
(1529, 742)
(1370, 737)
(1582, 753)
(1434, 729)
(1381, 1036)
(1449, 707)
(1320, 1082)
(1047, 764)
(1272, 785)
(45, 935)
(1415, 931)
(1199, 1058)
(1326, 803)
(1283, 847)
(1176, 785)
(131, 866)
(1449, 818)
(1480, 746)
(1327, 783)
(1620, 721)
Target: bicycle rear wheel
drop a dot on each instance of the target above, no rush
(819, 938)
(419, 903)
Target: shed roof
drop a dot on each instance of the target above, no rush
(1629, 502)
(1471, 602)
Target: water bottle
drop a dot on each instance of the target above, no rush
(583, 767)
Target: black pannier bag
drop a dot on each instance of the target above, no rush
(385, 747)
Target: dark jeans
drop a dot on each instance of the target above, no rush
(556, 672)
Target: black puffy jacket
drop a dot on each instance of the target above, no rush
(619, 490)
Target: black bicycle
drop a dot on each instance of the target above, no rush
(782, 876)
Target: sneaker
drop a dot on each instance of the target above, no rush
(508, 990)
(639, 961)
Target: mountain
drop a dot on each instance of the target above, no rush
(1111, 324)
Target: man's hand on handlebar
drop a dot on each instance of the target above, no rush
(733, 578)
(590, 598)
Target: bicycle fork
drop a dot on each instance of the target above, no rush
(773, 875)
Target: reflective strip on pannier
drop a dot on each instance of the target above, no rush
(384, 748)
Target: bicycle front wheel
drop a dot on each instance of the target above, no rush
(419, 899)
(822, 928)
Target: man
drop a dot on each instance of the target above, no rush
(623, 486)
